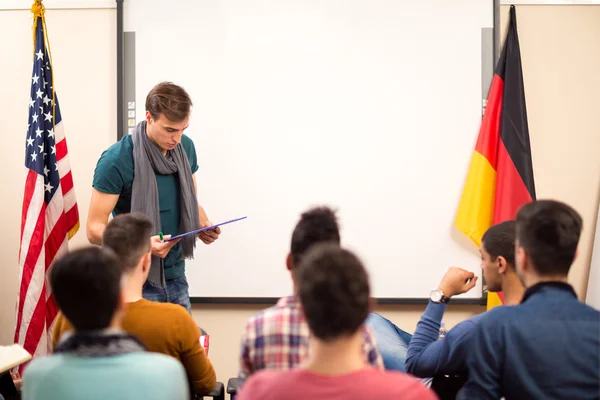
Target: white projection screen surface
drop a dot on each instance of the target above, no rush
(371, 107)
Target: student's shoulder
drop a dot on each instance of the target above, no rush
(265, 384)
(589, 311)
(42, 364)
(268, 320)
(150, 362)
(264, 315)
(498, 313)
(497, 316)
(389, 384)
(166, 311)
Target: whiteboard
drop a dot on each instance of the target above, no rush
(369, 106)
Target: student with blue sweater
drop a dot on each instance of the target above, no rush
(99, 360)
(548, 347)
(427, 356)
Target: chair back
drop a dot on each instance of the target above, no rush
(447, 386)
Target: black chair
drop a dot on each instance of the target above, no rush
(218, 393)
(232, 387)
(447, 386)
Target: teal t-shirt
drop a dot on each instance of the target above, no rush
(141, 375)
(114, 175)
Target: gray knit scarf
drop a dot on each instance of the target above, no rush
(147, 160)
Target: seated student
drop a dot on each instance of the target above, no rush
(427, 356)
(278, 337)
(98, 361)
(333, 288)
(548, 347)
(162, 327)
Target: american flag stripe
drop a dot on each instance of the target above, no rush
(30, 282)
(50, 214)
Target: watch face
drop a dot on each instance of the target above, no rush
(436, 295)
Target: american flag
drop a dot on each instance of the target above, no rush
(50, 216)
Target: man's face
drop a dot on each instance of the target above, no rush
(489, 267)
(164, 133)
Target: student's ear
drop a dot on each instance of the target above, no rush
(147, 260)
(502, 266)
(289, 263)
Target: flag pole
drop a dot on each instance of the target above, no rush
(37, 9)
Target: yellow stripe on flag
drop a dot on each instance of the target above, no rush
(493, 300)
(476, 210)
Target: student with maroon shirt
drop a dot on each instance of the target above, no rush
(333, 288)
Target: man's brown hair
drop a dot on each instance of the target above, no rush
(128, 235)
(170, 100)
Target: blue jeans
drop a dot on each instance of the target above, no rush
(392, 341)
(175, 292)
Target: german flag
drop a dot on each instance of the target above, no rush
(500, 178)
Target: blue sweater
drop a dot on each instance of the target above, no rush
(141, 375)
(548, 347)
(427, 356)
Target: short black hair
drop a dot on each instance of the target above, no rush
(128, 235)
(316, 225)
(333, 287)
(499, 240)
(549, 232)
(87, 284)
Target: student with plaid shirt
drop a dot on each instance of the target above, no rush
(277, 338)
(333, 287)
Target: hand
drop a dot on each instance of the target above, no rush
(17, 380)
(457, 281)
(160, 248)
(210, 235)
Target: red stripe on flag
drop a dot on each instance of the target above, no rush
(37, 324)
(30, 182)
(33, 253)
(61, 149)
(487, 145)
(51, 310)
(72, 217)
(53, 244)
(66, 183)
(41, 318)
(511, 192)
(55, 240)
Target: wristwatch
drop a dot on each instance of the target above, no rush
(437, 296)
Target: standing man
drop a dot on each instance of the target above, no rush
(152, 172)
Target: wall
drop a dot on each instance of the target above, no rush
(83, 48)
(561, 60)
(561, 85)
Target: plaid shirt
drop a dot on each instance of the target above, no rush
(277, 338)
